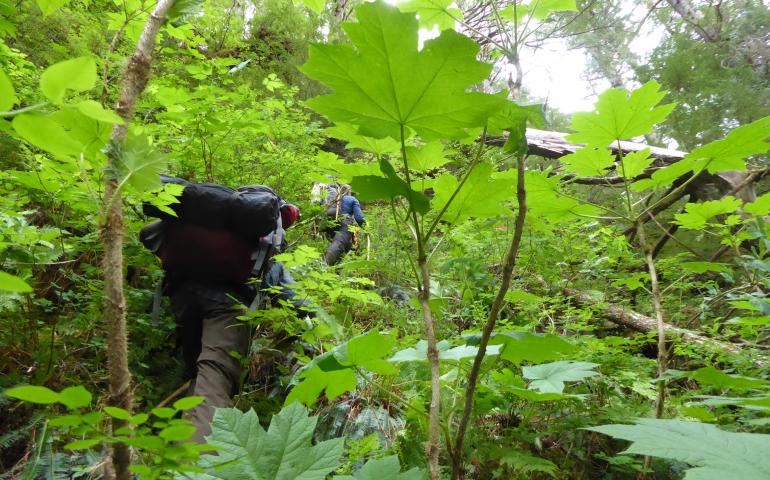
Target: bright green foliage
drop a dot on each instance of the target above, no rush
(315, 381)
(12, 283)
(315, 5)
(760, 206)
(283, 452)
(33, 394)
(432, 13)
(620, 116)
(335, 371)
(78, 75)
(482, 195)
(368, 351)
(537, 9)
(550, 377)
(588, 161)
(532, 347)
(75, 397)
(714, 453)
(385, 84)
(698, 214)
(729, 153)
(377, 146)
(703, 267)
(47, 134)
(139, 164)
(419, 352)
(7, 93)
(389, 187)
(544, 199)
(71, 397)
(540, 9)
(188, 402)
(721, 381)
(427, 157)
(525, 462)
(383, 469)
(47, 7)
(634, 163)
(93, 109)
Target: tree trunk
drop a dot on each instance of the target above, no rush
(133, 83)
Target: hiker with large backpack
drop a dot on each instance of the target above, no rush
(217, 256)
(343, 211)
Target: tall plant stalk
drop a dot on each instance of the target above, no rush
(433, 448)
(656, 302)
(134, 80)
(494, 312)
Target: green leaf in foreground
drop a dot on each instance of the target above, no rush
(315, 380)
(93, 109)
(386, 468)
(588, 162)
(729, 153)
(7, 93)
(714, 453)
(47, 134)
(432, 13)
(139, 163)
(550, 377)
(33, 394)
(634, 163)
(382, 83)
(696, 215)
(520, 346)
(187, 403)
(621, 115)
(284, 451)
(720, 380)
(11, 283)
(75, 397)
(78, 74)
(47, 7)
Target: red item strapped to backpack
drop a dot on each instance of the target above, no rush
(289, 215)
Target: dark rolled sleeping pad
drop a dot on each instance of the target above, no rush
(250, 213)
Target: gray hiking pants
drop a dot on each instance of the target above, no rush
(209, 329)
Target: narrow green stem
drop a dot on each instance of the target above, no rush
(446, 206)
(30, 108)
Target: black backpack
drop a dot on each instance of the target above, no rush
(249, 213)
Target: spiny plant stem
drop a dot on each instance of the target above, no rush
(134, 81)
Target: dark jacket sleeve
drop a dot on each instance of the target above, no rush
(278, 276)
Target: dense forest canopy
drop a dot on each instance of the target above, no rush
(535, 293)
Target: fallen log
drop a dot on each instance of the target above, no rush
(642, 323)
(553, 145)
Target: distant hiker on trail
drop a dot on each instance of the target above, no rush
(343, 210)
(217, 256)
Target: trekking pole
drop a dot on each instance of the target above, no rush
(368, 245)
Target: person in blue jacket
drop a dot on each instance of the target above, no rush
(344, 212)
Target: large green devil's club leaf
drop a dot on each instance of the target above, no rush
(383, 82)
(620, 115)
(716, 454)
(283, 452)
